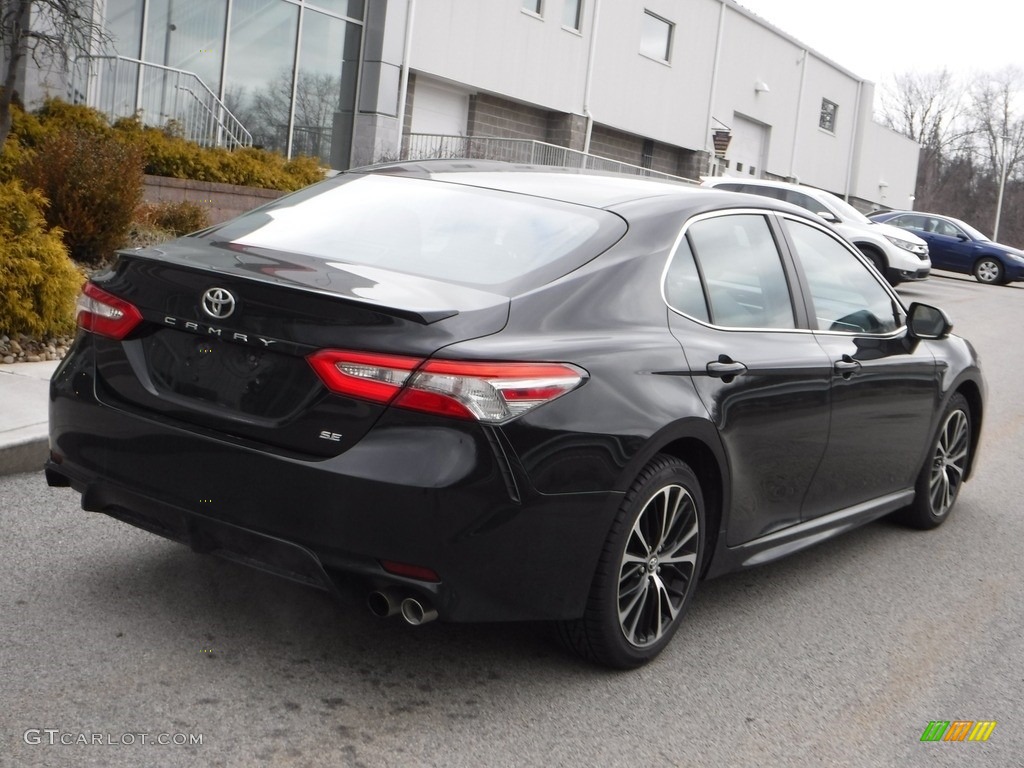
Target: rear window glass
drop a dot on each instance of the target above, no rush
(439, 230)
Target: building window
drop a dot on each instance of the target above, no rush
(827, 121)
(572, 14)
(647, 156)
(533, 6)
(656, 37)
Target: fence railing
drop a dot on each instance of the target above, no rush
(430, 146)
(120, 87)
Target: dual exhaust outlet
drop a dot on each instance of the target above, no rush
(388, 602)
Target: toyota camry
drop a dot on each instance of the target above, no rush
(480, 392)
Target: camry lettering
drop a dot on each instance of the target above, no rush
(210, 330)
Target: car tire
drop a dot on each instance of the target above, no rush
(648, 570)
(878, 262)
(943, 472)
(988, 270)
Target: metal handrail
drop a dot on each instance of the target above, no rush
(219, 127)
(424, 146)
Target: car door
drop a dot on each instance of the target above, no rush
(764, 382)
(885, 386)
(955, 250)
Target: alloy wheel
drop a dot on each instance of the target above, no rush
(658, 564)
(949, 462)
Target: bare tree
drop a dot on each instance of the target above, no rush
(45, 31)
(931, 109)
(970, 136)
(999, 126)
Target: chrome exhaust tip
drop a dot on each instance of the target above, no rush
(416, 613)
(384, 602)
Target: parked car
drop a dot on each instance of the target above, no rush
(898, 255)
(959, 247)
(479, 392)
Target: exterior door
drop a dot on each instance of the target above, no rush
(765, 383)
(885, 386)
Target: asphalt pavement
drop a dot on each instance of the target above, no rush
(23, 415)
(121, 648)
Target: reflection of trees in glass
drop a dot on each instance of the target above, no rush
(316, 101)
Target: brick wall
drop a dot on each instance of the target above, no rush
(616, 145)
(567, 130)
(494, 116)
(222, 201)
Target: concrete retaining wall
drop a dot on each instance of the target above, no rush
(223, 201)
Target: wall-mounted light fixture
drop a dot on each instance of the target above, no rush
(760, 86)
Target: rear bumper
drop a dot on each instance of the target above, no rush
(415, 490)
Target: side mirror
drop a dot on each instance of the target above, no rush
(962, 237)
(927, 322)
(829, 217)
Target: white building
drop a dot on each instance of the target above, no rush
(643, 82)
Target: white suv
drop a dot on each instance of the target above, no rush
(896, 253)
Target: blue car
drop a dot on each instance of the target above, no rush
(959, 247)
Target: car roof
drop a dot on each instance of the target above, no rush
(596, 189)
(718, 180)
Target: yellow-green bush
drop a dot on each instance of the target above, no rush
(38, 282)
(166, 153)
(92, 179)
(171, 155)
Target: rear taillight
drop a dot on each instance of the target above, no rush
(487, 392)
(377, 378)
(105, 314)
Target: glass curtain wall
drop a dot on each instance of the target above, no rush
(287, 69)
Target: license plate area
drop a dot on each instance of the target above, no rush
(238, 377)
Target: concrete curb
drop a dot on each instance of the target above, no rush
(24, 405)
(25, 455)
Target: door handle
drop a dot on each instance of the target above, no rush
(846, 366)
(725, 368)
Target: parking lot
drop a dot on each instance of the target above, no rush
(116, 640)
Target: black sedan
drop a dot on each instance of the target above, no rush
(959, 247)
(479, 392)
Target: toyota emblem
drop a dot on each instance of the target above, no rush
(218, 303)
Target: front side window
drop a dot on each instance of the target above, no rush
(656, 37)
(847, 297)
(945, 228)
(827, 121)
(805, 201)
(742, 270)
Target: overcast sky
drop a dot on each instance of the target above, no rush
(877, 39)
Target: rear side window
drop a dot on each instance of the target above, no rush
(912, 221)
(434, 229)
(683, 289)
(742, 272)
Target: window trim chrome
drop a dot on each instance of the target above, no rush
(768, 213)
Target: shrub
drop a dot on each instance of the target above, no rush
(38, 282)
(175, 219)
(170, 155)
(93, 181)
